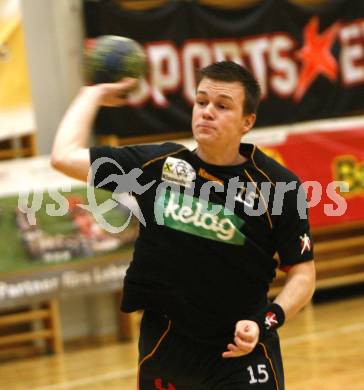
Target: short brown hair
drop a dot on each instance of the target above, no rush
(230, 71)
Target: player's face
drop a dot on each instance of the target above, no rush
(218, 117)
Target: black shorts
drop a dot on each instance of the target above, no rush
(171, 361)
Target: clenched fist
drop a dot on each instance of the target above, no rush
(245, 339)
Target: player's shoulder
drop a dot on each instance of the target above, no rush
(159, 152)
(138, 155)
(275, 170)
(166, 147)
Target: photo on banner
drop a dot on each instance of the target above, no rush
(59, 244)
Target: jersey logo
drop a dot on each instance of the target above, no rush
(178, 171)
(305, 243)
(270, 320)
(248, 198)
(198, 217)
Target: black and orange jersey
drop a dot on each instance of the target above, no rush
(205, 256)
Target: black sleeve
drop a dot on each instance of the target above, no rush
(292, 230)
(111, 162)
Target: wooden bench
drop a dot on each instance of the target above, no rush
(339, 256)
(24, 330)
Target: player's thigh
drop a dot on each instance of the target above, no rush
(164, 358)
(154, 329)
(154, 332)
(170, 361)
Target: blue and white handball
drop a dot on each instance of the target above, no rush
(109, 58)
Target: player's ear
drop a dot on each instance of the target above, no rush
(247, 123)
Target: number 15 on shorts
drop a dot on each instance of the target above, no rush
(258, 374)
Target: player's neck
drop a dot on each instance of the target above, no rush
(221, 157)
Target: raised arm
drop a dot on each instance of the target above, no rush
(70, 153)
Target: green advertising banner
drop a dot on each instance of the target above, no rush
(58, 236)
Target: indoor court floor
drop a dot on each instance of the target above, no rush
(323, 349)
